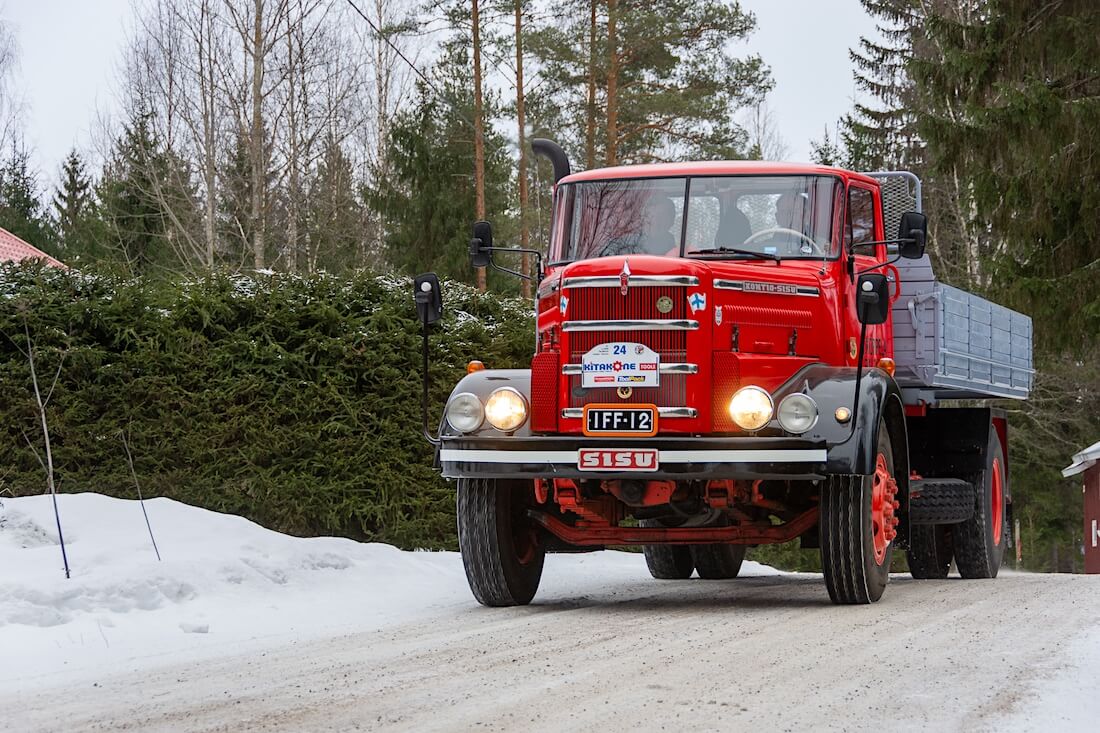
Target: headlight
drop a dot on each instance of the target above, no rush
(797, 413)
(465, 412)
(751, 408)
(506, 409)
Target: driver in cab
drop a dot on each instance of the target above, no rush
(790, 217)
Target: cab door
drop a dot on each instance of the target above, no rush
(862, 225)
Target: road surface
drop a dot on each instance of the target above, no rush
(757, 653)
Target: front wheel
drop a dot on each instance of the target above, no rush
(500, 546)
(858, 527)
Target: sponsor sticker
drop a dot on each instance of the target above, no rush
(619, 362)
(563, 304)
(697, 302)
(717, 315)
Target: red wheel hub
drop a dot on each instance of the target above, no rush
(996, 488)
(884, 504)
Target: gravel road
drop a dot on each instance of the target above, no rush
(758, 653)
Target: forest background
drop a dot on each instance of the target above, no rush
(327, 145)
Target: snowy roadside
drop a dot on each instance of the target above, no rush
(225, 586)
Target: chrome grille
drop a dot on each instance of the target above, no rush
(640, 303)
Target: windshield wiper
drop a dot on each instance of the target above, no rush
(735, 251)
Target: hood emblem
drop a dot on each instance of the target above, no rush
(624, 392)
(624, 278)
(664, 304)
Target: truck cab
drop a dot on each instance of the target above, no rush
(714, 368)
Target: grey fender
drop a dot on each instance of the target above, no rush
(482, 384)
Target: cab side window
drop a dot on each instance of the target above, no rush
(860, 227)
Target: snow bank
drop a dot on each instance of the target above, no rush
(224, 585)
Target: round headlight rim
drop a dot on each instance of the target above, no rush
(767, 396)
(481, 411)
(523, 401)
(813, 405)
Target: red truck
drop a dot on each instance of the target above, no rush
(731, 354)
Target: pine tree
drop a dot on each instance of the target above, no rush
(827, 151)
(21, 211)
(631, 82)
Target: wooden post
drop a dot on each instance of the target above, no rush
(479, 133)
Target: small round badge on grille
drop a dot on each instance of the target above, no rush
(664, 304)
(625, 392)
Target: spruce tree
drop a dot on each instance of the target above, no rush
(21, 211)
(334, 213)
(73, 205)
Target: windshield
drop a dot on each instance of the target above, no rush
(774, 216)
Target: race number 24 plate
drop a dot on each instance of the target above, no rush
(621, 421)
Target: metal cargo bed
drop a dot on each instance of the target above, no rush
(957, 344)
(948, 343)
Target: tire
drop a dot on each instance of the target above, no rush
(718, 562)
(500, 549)
(856, 544)
(980, 541)
(929, 553)
(667, 562)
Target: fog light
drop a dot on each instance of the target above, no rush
(797, 413)
(506, 409)
(465, 412)
(751, 408)
(842, 414)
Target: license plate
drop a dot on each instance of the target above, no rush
(617, 459)
(638, 421)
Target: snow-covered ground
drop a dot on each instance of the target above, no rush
(236, 621)
(224, 584)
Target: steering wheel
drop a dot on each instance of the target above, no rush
(783, 230)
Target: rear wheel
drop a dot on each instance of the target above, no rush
(980, 541)
(858, 527)
(667, 562)
(718, 562)
(929, 553)
(500, 546)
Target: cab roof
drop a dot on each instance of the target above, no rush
(713, 168)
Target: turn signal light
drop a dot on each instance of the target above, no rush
(887, 365)
(477, 366)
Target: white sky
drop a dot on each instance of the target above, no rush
(70, 51)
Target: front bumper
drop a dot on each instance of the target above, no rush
(677, 458)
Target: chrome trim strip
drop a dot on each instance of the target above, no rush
(644, 324)
(670, 368)
(807, 455)
(577, 412)
(640, 281)
(767, 288)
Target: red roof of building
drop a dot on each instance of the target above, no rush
(13, 249)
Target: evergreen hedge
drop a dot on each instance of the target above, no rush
(293, 401)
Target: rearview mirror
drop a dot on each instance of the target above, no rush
(872, 298)
(480, 244)
(429, 298)
(914, 228)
